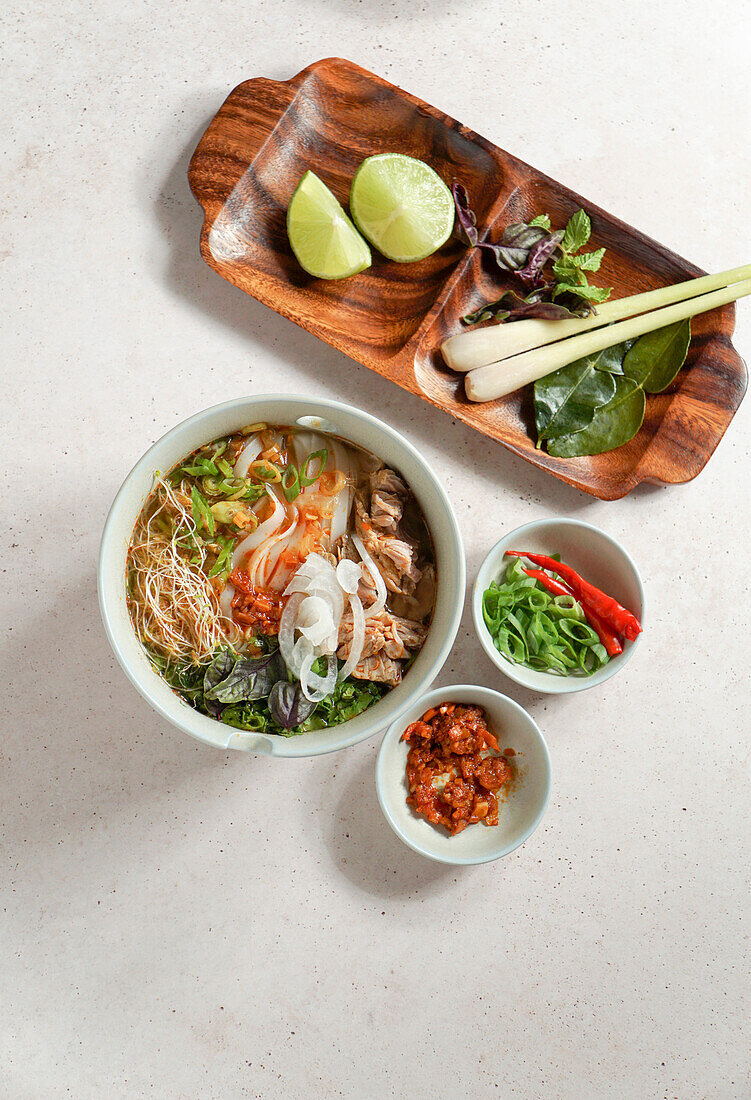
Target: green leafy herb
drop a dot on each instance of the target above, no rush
(577, 232)
(250, 679)
(202, 514)
(227, 687)
(611, 426)
(524, 251)
(583, 290)
(597, 403)
(567, 400)
(588, 261)
(655, 359)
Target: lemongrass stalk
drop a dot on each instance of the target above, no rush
(468, 350)
(498, 379)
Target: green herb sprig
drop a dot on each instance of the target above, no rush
(598, 403)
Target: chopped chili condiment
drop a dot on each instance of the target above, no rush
(453, 776)
(254, 608)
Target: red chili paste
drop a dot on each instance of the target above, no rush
(453, 778)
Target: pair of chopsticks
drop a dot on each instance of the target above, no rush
(502, 358)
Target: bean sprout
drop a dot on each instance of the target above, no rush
(174, 606)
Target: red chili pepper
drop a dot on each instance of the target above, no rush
(618, 617)
(604, 631)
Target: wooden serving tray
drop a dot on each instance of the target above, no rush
(394, 317)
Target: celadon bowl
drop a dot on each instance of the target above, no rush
(353, 425)
(521, 809)
(598, 557)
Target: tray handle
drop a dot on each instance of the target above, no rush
(234, 138)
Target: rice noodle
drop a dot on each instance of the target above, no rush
(262, 531)
(248, 454)
(261, 555)
(339, 461)
(174, 606)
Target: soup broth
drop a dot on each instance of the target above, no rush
(280, 579)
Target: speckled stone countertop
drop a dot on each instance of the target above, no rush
(182, 923)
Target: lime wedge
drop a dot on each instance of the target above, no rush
(323, 239)
(402, 206)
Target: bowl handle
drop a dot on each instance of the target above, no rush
(245, 741)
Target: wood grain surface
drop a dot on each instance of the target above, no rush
(394, 317)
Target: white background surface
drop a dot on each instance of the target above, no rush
(182, 923)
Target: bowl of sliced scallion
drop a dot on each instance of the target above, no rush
(558, 606)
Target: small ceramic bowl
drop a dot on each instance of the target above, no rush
(597, 557)
(521, 809)
(350, 424)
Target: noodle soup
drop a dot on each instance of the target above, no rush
(281, 580)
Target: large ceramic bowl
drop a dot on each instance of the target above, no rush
(350, 424)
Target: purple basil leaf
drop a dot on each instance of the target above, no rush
(521, 235)
(512, 307)
(549, 311)
(507, 257)
(219, 668)
(249, 679)
(464, 214)
(539, 254)
(287, 704)
(514, 248)
(576, 306)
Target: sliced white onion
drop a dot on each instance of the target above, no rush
(315, 620)
(317, 577)
(314, 566)
(358, 636)
(287, 632)
(349, 575)
(225, 600)
(248, 454)
(262, 532)
(380, 586)
(315, 687)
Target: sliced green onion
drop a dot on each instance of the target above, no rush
(202, 514)
(200, 468)
(264, 470)
(532, 627)
(305, 476)
(291, 482)
(223, 563)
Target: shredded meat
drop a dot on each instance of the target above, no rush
(380, 668)
(390, 637)
(383, 633)
(387, 496)
(395, 558)
(453, 778)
